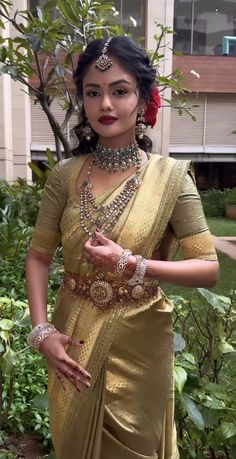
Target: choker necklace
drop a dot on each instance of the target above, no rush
(114, 159)
(104, 217)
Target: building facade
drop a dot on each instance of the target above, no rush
(205, 32)
(206, 37)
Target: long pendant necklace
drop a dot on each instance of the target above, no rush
(93, 215)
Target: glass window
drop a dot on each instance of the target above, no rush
(183, 26)
(202, 24)
(137, 10)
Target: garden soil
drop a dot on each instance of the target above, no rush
(25, 447)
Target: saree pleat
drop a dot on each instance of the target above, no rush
(128, 412)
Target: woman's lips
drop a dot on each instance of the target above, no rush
(107, 120)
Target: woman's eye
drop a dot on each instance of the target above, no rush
(92, 93)
(120, 92)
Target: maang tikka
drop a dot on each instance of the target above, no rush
(104, 62)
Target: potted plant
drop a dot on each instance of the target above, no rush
(230, 203)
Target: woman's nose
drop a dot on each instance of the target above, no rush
(106, 104)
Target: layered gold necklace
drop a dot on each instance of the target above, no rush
(104, 217)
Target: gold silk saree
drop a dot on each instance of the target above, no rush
(129, 411)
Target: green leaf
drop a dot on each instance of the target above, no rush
(180, 377)
(51, 4)
(212, 299)
(193, 411)
(179, 342)
(4, 335)
(212, 387)
(226, 348)
(50, 158)
(189, 357)
(41, 402)
(6, 324)
(226, 430)
(213, 403)
(36, 170)
(9, 360)
(210, 417)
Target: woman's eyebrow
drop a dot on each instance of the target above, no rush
(114, 83)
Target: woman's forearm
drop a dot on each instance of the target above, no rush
(37, 267)
(187, 273)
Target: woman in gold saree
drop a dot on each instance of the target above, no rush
(119, 213)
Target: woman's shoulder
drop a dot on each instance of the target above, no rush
(68, 162)
(168, 159)
(65, 165)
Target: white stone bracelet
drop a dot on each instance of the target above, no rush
(122, 263)
(39, 333)
(139, 272)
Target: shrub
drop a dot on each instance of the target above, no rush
(213, 202)
(23, 374)
(230, 196)
(19, 201)
(205, 375)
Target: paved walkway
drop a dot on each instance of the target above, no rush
(226, 245)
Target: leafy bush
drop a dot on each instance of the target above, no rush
(19, 201)
(230, 196)
(205, 375)
(23, 375)
(213, 202)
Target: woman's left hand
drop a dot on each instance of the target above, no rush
(105, 255)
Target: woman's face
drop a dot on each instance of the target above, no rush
(111, 102)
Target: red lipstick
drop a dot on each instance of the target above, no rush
(107, 120)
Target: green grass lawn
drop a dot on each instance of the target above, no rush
(227, 279)
(222, 226)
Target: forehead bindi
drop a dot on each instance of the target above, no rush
(115, 74)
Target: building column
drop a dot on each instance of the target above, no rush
(21, 121)
(6, 154)
(162, 13)
(21, 126)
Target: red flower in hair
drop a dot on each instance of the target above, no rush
(150, 114)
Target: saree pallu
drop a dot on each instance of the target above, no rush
(128, 412)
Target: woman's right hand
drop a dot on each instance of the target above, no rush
(53, 347)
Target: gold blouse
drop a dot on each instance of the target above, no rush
(58, 217)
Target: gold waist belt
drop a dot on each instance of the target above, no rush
(106, 291)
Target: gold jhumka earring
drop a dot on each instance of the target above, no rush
(104, 62)
(87, 132)
(140, 128)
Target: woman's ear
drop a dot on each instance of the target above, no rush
(142, 105)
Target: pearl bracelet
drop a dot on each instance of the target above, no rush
(122, 263)
(39, 333)
(139, 272)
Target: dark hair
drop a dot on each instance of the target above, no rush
(135, 60)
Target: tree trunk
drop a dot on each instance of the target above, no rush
(57, 131)
(58, 147)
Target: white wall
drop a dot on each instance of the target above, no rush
(161, 11)
(15, 123)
